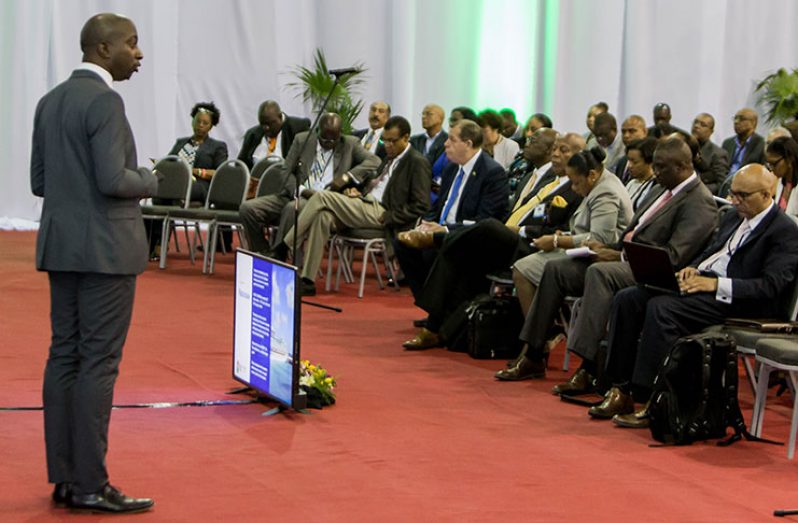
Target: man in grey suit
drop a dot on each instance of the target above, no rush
(91, 242)
(713, 162)
(679, 217)
(328, 156)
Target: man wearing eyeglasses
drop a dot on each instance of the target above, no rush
(713, 162)
(328, 157)
(745, 147)
(747, 270)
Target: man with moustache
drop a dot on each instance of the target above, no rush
(371, 138)
(92, 244)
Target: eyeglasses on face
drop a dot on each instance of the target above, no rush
(742, 195)
(771, 166)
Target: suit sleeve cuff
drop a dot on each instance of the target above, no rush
(724, 292)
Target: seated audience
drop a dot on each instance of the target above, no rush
(329, 156)
(430, 142)
(371, 137)
(633, 128)
(510, 127)
(392, 200)
(605, 129)
(462, 113)
(713, 163)
(782, 160)
(474, 187)
(590, 119)
(748, 271)
(273, 135)
(662, 122)
(502, 149)
(203, 155)
(679, 216)
(746, 146)
(776, 132)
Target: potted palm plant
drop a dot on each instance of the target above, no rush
(778, 94)
(313, 84)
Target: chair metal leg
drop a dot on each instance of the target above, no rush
(377, 271)
(761, 397)
(173, 235)
(749, 364)
(330, 249)
(363, 268)
(794, 424)
(164, 244)
(205, 255)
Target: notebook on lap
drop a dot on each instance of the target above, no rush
(651, 267)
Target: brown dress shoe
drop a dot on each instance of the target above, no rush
(525, 369)
(615, 402)
(416, 239)
(636, 420)
(424, 339)
(582, 382)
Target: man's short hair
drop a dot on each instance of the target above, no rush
(400, 123)
(470, 130)
(544, 119)
(602, 105)
(605, 119)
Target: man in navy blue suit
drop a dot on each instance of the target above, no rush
(473, 187)
(747, 270)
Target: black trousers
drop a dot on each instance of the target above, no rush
(90, 315)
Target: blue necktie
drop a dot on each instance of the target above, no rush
(452, 195)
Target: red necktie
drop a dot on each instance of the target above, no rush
(785, 193)
(649, 214)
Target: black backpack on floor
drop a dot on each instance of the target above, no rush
(695, 392)
(485, 327)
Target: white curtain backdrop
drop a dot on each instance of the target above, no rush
(531, 55)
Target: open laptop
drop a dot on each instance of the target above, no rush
(652, 267)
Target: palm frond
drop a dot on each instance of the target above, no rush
(778, 94)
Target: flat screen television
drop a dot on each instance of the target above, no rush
(266, 328)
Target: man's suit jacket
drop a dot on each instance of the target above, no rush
(763, 267)
(713, 167)
(348, 156)
(682, 226)
(252, 138)
(559, 206)
(547, 177)
(91, 185)
(620, 167)
(210, 154)
(485, 195)
(754, 151)
(406, 197)
(419, 142)
(380, 150)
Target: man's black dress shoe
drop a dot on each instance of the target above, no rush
(420, 323)
(615, 402)
(639, 419)
(307, 287)
(525, 369)
(62, 493)
(111, 500)
(582, 382)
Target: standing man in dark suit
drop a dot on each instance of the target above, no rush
(746, 146)
(273, 135)
(712, 163)
(91, 242)
(474, 187)
(371, 137)
(747, 271)
(328, 157)
(392, 200)
(679, 217)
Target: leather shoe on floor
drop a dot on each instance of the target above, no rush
(525, 369)
(420, 323)
(424, 339)
(307, 287)
(61, 493)
(582, 382)
(110, 500)
(636, 420)
(416, 239)
(615, 402)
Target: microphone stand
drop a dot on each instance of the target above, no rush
(297, 195)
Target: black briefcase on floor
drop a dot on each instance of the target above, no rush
(493, 328)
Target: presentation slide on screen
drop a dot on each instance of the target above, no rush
(264, 326)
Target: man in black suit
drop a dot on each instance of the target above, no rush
(430, 143)
(467, 254)
(632, 129)
(748, 271)
(328, 157)
(371, 137)
(273, 135)
(474, 187)
(392, 200)
(91, 242)
(746, 146)
(679, 216)
(712, 164)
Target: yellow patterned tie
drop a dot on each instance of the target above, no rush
(519, 213)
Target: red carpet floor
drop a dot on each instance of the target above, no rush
(415, 436)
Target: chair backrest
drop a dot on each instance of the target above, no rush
(229, 186)
(259, 168)
(273, 180)
(175, 186)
